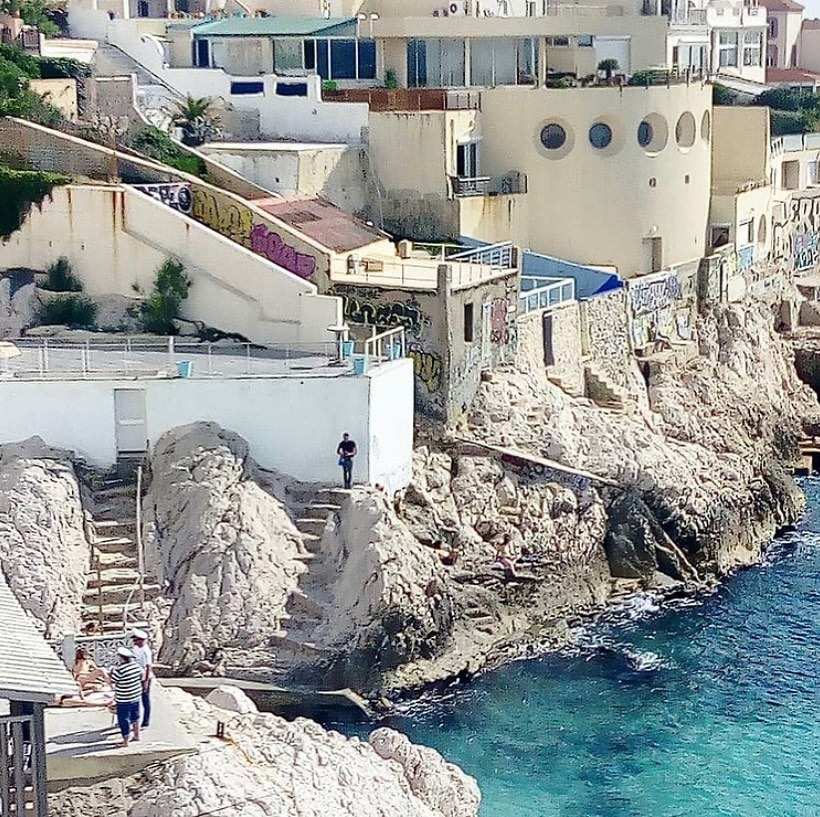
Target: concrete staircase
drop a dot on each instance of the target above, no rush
(567, 385)
(603, 392)
(309, 606)
(113, 580)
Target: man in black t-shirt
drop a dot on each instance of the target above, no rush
(346, 451)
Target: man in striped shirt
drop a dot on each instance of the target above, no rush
(126, 679)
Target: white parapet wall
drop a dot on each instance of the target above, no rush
(116, 237)
(292, 424)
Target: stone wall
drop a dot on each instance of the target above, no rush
(605, 335)
(17, 301)
(447, 365)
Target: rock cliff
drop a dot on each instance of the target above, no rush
(269, 767)
(44, 553)
(225, 550)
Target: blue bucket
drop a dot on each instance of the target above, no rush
(185, 368)
(359, 364)
(347, 348)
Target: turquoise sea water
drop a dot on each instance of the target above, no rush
(710, 709)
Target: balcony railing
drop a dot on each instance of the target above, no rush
(512, 183)
(794, 142)
(503, 255)
(536, 294)
(408, 99)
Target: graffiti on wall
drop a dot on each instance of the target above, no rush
(796, 234)
(176, 195)
(653, 295)
(235, 222)
(386, 315)
(499, 322)
(428, 368)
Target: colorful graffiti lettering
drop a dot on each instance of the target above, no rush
(270, 244)
(796, 234)
(230, 220)
(387, 315)
(176, 195)
(650, 296)
(499, 326)
(428, 368)
(236, 222)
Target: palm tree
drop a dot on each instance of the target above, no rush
(608, 66)
(197, 118)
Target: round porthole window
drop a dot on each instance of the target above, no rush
(553, 136)
(685, 130)
(645, 134)
(600, 135)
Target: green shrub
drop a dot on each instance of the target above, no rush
(63, 68)
(390, 81)
(27, 63)
(781, 99)
(19, 190)
(649, 76)
(721, 95)
(560, 82)
(330, 85)
(33, 12)
(162, 308)
(784, 123)
(68, 310)
(158, 145)
(60, 277)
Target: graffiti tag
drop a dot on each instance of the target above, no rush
(650, 296)
(427, 367)
(270, 244)
(176, 195)
(388, 315)
(499, 327)
(236, 223)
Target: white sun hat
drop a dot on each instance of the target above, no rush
(125, 652)
(139, 634)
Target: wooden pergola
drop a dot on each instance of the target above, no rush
(31, 678)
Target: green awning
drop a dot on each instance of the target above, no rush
(280, 26)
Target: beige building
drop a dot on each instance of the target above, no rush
(785, 18)
(647, 149)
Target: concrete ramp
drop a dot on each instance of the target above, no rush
(83, 744)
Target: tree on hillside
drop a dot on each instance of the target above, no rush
(197, 118)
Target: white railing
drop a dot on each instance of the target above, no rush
(48, 359)
(384, 346)
(501, 255)
(543, 296)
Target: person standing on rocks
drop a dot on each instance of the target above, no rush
(142, 654)
(126, 679)
(346, 451)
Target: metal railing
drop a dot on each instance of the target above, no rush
(539, 295)
(503, 255)
(512, 183)
(407, 99)
(138, 587)
(22, 768)
(47, 359)
(387, 345)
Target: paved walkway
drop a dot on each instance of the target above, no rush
(83, 744)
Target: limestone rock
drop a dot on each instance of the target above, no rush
(44, 552)
(270, 767)
(231, 699)
(17, 302)
(443, 786)
(106, 799)
(391, 601)
(226, 548)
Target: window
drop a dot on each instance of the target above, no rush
(310, 55)
(291, 89)
(468, 323)
(467, 160)
(508, 61)
(752, 48)
(772, 28)
(553, 136)
(727, 48)
(745, 233)
(720, 235)
(600, 135)
(435, 63)
(645, 134)
(342, 59)
(585, 40)
(813, 176)
(558, 42)
(202, 53)
(246, 88)
(686, 130)
(367, 59)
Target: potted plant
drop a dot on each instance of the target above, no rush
(609, 66)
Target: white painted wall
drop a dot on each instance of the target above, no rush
(116, 237)
(280, 117)
(292, 425)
